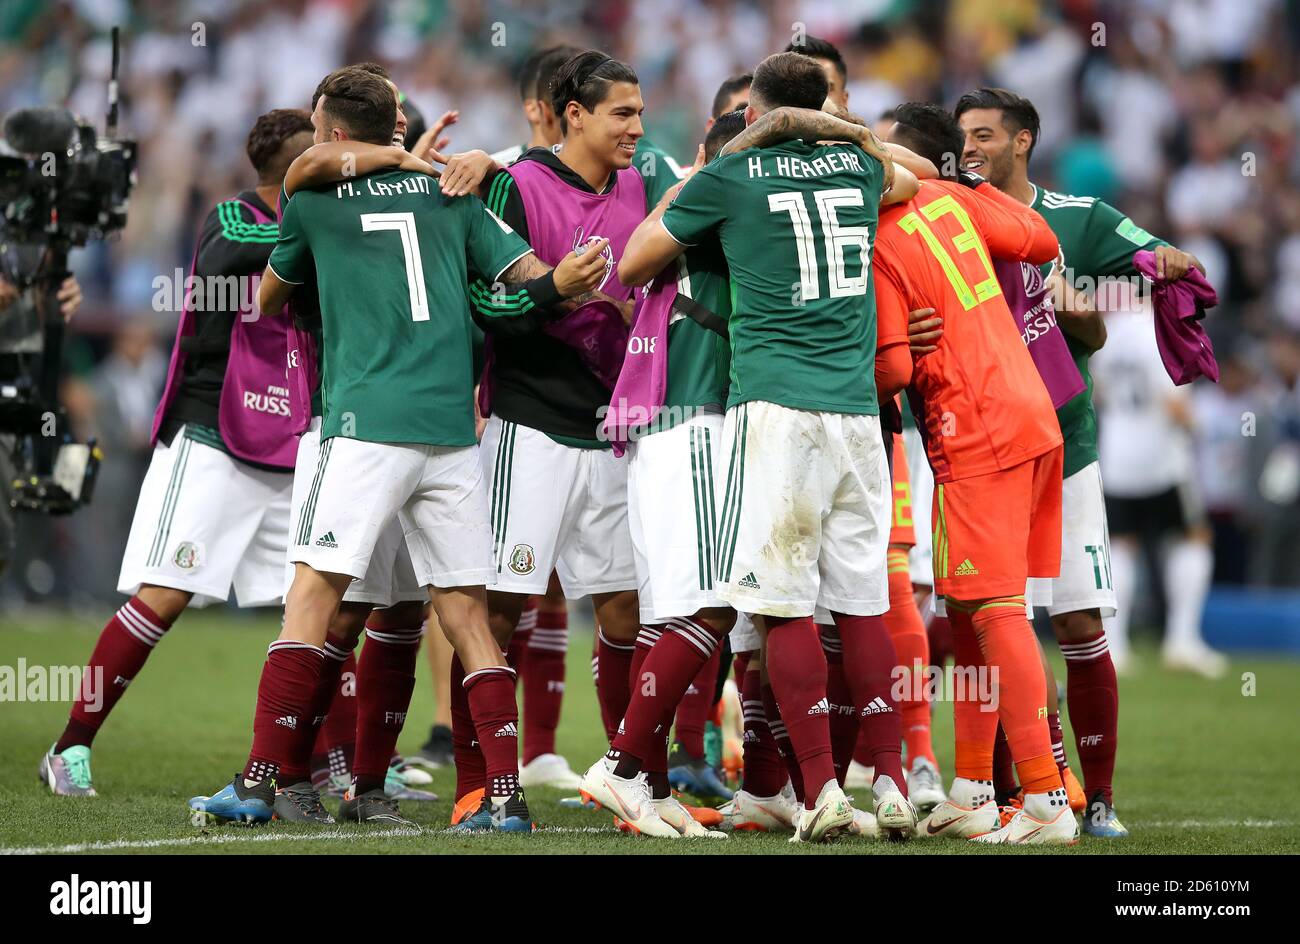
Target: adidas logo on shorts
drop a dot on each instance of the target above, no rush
(821, 708)
(289, 721)
(966, 569)
(877, 707)
(750, 581)
(326, 540)
(508, 730)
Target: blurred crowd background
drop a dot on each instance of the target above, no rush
(1181, 112)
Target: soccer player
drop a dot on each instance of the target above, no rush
(559, 496)
(672, 511)
(396, 391)
(804, 517)
(1097, 241)
(208, 519)
(1151, 496)
(993, 443)
(831, 61)
(536, 77)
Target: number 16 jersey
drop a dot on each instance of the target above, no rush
(392, 259)
(796, 223)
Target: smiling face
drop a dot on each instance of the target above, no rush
(612, 129)
(991, 150)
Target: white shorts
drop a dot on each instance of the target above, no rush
(1085, 581)
(672, 515)
(359, 488)
(919, 558)
(805, 518)
(744, 637)
(390, 577)
(207, 523)
(555, 507)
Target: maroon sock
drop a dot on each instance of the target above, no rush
(844, 716)
(517, 651)
(543, 682)
(124, 644)
(797, 668)
(612, 681)
(939, 633)
(740, 667)
(491, 694)
(672, 663)
(1004, 769)
(297, 765)
(781, 738)
(646, 638)
(862, 749)
(869, 663)
(471, 769)
(284, 698)
(765, 772)
(1058, 740)
(1092, 692)
(385, 681)
(695, 705)
(336, 741)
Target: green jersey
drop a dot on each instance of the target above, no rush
(797, 223)
(392, 259)
(699, 359)
(657, 169)
(1097, 241)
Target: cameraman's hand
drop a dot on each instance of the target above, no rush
(8, 294)
(69, 297)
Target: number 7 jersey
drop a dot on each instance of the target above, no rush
(796, 223)
(392, 259)
(983, 404)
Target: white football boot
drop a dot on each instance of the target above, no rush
(549, 770)
(924, 788)
(629, 800)
(895, 814)
(968, 811)
(774, 814)
(672, 812)
(858, 776)
(832, 814)
(1027, 830)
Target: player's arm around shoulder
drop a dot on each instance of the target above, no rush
(655, 243)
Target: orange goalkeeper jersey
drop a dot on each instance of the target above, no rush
(983, 406)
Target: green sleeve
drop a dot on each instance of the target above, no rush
(1111, 239)
(491, 245)
(658, 171)
(699, 208)
(291, 258)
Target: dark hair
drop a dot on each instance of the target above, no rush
(361, 103)
(727, 89)
(373, 68)
(1018, 112)
(548, 64)
(726, 127)
(820, 49)
(931, 132)
(788, 79)
(585, 79)
(269, 135)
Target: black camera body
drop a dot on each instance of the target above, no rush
(60, 187)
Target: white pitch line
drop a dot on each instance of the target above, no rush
(226, 838)
(1219, 823)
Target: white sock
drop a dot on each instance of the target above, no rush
(1124, 564)
(970, 793)
(1046, 806)
(1189, 565)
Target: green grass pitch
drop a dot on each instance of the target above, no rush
(1202, 765)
